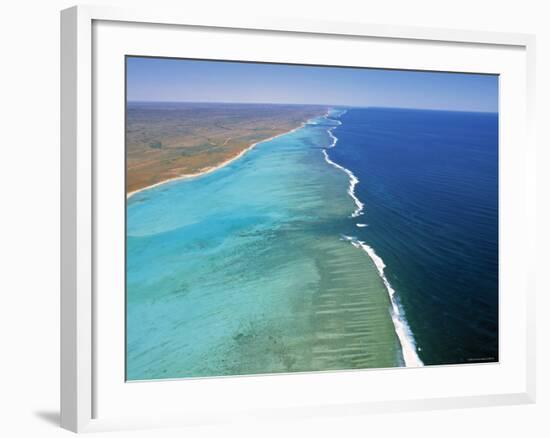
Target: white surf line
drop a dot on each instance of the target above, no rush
(402, 329)
(353, 180)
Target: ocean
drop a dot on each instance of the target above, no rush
(368, 238)
(429, 180)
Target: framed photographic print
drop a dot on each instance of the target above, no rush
(281, 219)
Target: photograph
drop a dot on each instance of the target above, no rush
(278, 219)
(290, 218)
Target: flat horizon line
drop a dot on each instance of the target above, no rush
(314, 104)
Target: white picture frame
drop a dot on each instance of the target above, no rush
(83, 370)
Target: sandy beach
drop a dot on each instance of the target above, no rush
(171, 141)
(213, 168)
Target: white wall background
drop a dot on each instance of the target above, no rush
(29, 218)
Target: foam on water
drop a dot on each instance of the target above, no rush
(402, 329)
(353, 180)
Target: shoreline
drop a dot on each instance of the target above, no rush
(219, 166)
(340, 278)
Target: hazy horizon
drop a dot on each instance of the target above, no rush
(152, 79)
(212, 102)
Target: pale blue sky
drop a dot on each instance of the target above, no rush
(180, 80)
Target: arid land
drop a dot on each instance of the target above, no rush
(170, 140)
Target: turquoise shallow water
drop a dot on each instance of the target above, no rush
(245, 270)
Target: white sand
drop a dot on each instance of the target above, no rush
(214, 168)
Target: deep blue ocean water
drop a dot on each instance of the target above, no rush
(263, 266)
(429, 182)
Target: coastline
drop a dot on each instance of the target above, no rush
(219, 166)
(338, 285)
